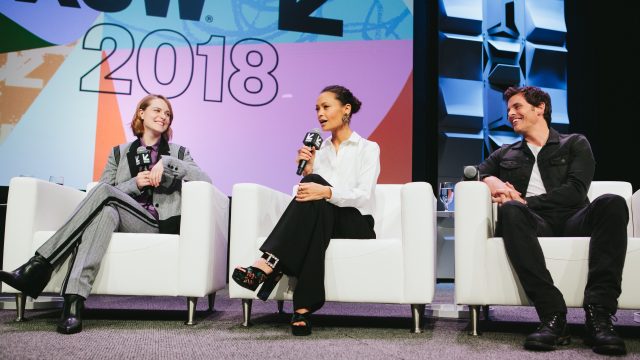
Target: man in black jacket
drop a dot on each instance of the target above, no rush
(540, 185)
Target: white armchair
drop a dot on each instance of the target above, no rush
(484, 275)
(401, 259)
(191, 264)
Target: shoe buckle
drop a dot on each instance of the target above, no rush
(271, 260)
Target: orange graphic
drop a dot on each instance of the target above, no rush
(23, 75)
(394, 135)
(109, 131)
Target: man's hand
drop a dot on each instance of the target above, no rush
(502, 192)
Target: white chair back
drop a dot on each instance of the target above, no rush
(387, 212)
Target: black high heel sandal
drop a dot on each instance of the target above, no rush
(301, 330)
(269, 284)
(250, 277)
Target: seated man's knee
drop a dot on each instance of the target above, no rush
(511, 209)
(611, 204)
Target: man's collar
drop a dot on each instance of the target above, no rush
(554, 138)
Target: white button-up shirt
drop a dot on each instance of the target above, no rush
(352, 172)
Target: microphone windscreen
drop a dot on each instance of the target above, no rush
(313, 138)
(470, 172)
(143, 157)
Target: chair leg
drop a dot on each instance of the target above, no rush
(486, 313)
(417, 313)
(474, 315)
(246, 312)
(21, 303)
(191, 310)
(212, 301)
(280, 306)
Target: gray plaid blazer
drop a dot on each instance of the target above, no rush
(122, 173)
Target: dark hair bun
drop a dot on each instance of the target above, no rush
(345, 96)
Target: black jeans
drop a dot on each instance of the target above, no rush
(301, 237)
(605, 220)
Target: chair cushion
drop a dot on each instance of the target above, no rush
(567, 261)
(351, 259)
(134, 264)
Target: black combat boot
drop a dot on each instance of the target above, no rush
(551, 332)
(601, 336)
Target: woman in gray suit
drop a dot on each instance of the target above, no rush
(139, 191)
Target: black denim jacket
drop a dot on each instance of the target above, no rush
(566, 166)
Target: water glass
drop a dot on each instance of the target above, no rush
(446, 193)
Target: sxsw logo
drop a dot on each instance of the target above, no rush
(189, 9)
(309, 139)
(143, 159)
(313, 138)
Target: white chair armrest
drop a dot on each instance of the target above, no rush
(473, 225)
(256, 209)
(203, 237)
(34, 205)
(635, 212)
(418, 240)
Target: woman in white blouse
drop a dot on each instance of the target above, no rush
(335, 199)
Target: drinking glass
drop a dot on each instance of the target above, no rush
(56, 179)
(446, 193)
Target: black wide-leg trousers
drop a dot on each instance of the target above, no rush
(301, 237)
(605, 220)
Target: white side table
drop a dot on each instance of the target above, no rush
(445, 268)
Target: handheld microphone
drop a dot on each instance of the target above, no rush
(143, 161)
(471, 173)
(312, 139)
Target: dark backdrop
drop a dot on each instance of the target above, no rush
(603, 77)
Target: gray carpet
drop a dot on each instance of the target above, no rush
(129, 327)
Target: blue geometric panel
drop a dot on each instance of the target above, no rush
(523, 43)
(503, 18)
(495, 110)
(505, 75)
(504, 49)
(461, 105)
(502, 66)
(459, 56)
(545, 22)
(499, 138)
(546, 65)
(459, 150)
(461, 16)
(559, 113)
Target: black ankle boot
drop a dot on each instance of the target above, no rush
(601, 336)
(551, 332)
(30, 278)
(71, 319)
